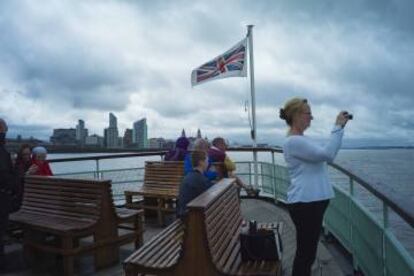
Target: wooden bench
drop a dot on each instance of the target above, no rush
(162, 181)
(205, 243)
(69, 217)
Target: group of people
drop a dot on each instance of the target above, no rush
(307, 197)
(309, 191)
(203, 166)
(12, 171)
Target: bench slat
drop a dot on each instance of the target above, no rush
(162, 251)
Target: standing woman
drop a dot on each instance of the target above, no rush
(309, 192)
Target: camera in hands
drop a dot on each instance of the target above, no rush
(349, 116)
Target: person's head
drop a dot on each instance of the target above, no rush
(3, 131)
(201, 145)
(297, 114)
(199, 160)
(219, 143)
(182, 143)
(24, 153)
(39, 154)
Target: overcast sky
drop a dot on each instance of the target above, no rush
(61, 61)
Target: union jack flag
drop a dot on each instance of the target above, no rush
(230, 64)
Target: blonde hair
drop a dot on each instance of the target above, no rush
(291, 108)
(201, 145)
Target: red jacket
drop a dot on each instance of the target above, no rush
(44, 168)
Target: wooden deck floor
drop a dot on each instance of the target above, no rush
(326, 263)
(330, 261)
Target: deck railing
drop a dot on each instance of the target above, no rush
(365, 232)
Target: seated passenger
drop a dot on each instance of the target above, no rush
(194, 183)
(23, 160)
(40, 165)
(200, 145)
(180, 150)
(217, 153)
(21, 166)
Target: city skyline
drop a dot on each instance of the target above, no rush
(77, 59)
(135, 137)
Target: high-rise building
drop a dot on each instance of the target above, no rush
(113, 121)
(199, 134)
(111, 133)
(81, 132)
(127, 138)
(139, 134)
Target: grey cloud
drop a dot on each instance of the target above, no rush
(395, 13)
(59, 62)
(350, 54)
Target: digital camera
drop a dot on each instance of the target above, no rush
(349, 116)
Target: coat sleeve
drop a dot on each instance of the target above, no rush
(307, 150)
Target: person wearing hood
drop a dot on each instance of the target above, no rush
(40, 166)
(180, 150)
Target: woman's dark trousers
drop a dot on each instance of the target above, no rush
(307, 218)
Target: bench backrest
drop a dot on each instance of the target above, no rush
(84, 199)
(164, 175)
(212, 223)
(223, 223)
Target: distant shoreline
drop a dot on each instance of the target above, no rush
(378, 148)
(73, 149)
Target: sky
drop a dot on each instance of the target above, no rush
(61, 61)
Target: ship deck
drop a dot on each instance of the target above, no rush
(331, 258)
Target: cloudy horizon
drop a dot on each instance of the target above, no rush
(67, 60)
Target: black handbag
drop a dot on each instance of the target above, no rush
(259, 245)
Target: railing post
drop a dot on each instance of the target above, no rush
(256, 169)
(98, 176)
(250, 174)
(351, 193)
(385, 215)
(386, 225)
(351, 186)
(274, 186)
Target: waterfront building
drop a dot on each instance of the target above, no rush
(127, 140)
(156, 143)
(81, 132)
(169, 144)
(111, 133)
(63, 136)
(140, 134)
(120, 142)
(94, 141)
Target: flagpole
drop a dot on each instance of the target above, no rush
(253, 131)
